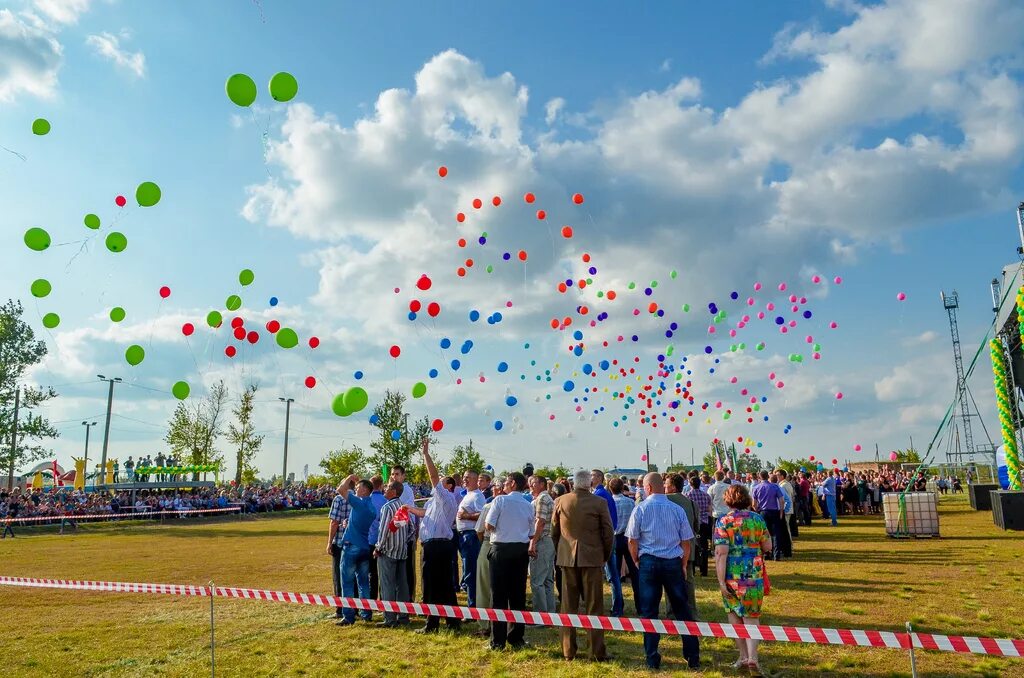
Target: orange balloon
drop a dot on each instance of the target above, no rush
(522, 255)
(562, 288)
(652, 307)
(586, 258)
(582, 284)
(554, 323)
(566, 231)
(442, 171)
(611, 295)
(577, 198)
(584, 310)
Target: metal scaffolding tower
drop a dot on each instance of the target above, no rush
(956, 454)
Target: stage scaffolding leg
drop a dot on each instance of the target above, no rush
(913, 660)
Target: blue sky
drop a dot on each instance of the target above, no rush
(762, 143)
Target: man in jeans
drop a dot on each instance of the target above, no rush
(828, 491)
(542, 549)
(769, 501)
(339, 514)
(355, 548)
(469, 543)
(624, 505)
(659, 534)
(392, 548)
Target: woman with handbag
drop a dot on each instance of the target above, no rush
(741, 540)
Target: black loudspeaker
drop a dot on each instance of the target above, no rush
(1008, 509)
(980, 499)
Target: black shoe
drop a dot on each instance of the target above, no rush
(344, 622)
(491, 647)
(387, 624)
(519, 646)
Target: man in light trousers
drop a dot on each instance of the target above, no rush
(392, 550)
(542, 548)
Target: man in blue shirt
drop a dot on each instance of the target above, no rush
(355, 548)
(828, 490)
(769, 500)
(378, 500)
(610, 571)
(659, 536)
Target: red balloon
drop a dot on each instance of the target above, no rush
(477, 203)
(460, 217)
(240, 333)
(566, 231)
(433, 308)
(835, 462)
(461, 272)
(395, 351)
(165, 292)
(529, 197)
(462, 242)
(415, 305)
(230, 351)
(237, 322)
(424, 283)
(810, 458)
(314, 342)
(577, 198)
(187, 329)
(541, 214)
(442, 171)
(437, 425)
(120, 201)
(253, 337)
(273, 326)
(496, 200)
(522, 255)
(311, 381)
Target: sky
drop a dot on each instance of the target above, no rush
(759, 143)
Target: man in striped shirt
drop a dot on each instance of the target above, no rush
(702, 503)
(659, 536)
(392, 548)
(339, 514)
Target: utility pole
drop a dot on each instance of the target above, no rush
(287, 422)
(106, 428)
(671, 457)
(87, 426)
(14, 440)
(647, 445)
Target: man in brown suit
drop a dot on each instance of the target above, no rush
(581, 528)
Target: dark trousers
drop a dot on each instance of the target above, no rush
(794, 530)
(455, 561)
(785, 539)
(773, 519)
(336, 574)
(469, 549)
(621, 553)
(437, 578)
(657, 574)
(509, 565)
(410, 570)
(374, 577)
(804, 508)
(703, 547)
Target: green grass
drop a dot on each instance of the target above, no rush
(845, 577)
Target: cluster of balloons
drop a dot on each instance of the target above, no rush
(241, 89)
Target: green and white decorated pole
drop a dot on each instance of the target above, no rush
(1004, 404)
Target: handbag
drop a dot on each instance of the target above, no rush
(764, 577)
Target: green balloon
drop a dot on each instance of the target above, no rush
(338, 406)
(240, 89)
(419, 389)
(135, 354)
(180, 390)
(283, 86)
(92, 221)
(51, 320)
(356, 399)
(41, 288)
(287, 338)
(233, 303)
(117, 314)
(147, 194)
(37, 239)
(116, 241)
(40, 127)
(246, 277)
(214, 319)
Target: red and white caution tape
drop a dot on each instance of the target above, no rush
(181, 513)
(1005, 647)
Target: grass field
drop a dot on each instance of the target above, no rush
(969, 582)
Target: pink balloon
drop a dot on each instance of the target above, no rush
(856, 448)
(839, 396)
(757, 286)
(711, 329)
(838, 280)
(779, 384)
(782, 287)
(733, 380)
(771, 376)
(833, 325)
(760, 315)
(893, 456)
(770, 306)
(643, 457)
(816, 279)
(901, 296)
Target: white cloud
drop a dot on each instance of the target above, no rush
(30, 57)
(62, 11)
(666, 66)
(108, 46)
(926, 337)
(552, 109)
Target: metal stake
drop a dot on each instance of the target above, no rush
(213, 658)
(913, 660)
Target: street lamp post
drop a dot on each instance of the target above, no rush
(87, 426)
(287, 421)
(106, 428)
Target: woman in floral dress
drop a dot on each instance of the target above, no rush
(741, 540)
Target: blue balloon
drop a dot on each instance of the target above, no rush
(497, 317)
(412, 315)
(446, 342)
(474, 315)
(511, 401)
(467, 346)
(578, 350)
(577, 335)
(490, 320)
(498, 425)
(604, 364)
(587, 368)
(273, 301)
(808, 314)
(779, 320)
(374, 418)
(433, 373)
(456, 364)
(708, 349)
(358, 375)
(568, 386)
(396, 435)
(503, 366)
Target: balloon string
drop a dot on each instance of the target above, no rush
(15, 153)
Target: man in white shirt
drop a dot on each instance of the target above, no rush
(408, 498)
(510, 524)
(469, 544)
(717, 493)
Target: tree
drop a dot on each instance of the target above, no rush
(388, 417)
(341, 463)
(464, 457)
(793, 466)
(908, 456)
(193, 430)
(243, 436)
(555, 472)
(19, 350)
(745, 463)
